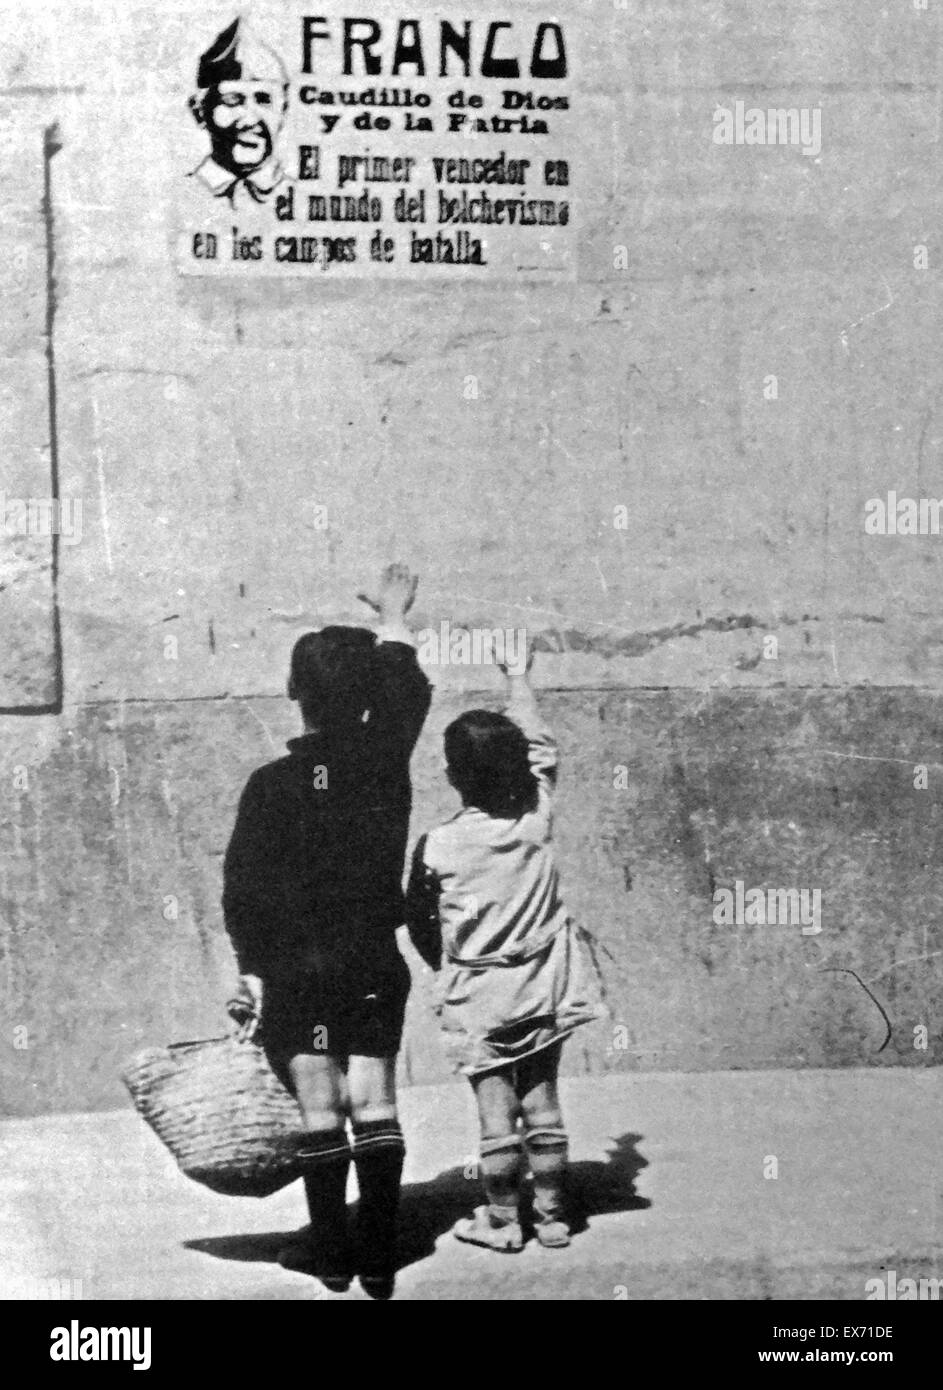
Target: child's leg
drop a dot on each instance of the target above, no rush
(497, 1225)
(498, 1113)
(320, 1087)
(379, 1152)
(545, 1139)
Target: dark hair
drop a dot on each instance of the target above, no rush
(333, 674)
(488, 764)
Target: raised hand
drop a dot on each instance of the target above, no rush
(395, 594)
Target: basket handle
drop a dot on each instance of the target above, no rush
(198, 1042)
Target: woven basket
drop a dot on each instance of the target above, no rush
(221, 1111)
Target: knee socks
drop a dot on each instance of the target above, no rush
(547, 1151)
(501, 1174)
(324, 1158)
(379, 1152)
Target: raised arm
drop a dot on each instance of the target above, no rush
(522, 707)
(403, 692)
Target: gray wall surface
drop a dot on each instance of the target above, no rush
(203, 423)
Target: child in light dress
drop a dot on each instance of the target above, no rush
(484, 910)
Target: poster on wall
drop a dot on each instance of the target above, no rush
(378, 145)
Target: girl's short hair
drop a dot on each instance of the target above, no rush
(333, 674)
(488, 763)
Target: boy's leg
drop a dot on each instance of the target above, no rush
(497, 1225)
(379, 1152)
(320, 1087)
(546, 1142)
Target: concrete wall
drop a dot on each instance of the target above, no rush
(202, 423)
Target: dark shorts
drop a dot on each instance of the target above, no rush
(356, 1007)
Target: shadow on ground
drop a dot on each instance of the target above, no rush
(430, 1209)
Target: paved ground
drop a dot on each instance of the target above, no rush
(671, 1168)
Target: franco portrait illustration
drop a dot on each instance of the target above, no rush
(240, 101)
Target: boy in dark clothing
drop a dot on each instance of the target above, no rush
(312, 898)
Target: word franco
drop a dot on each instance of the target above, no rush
(495, 51)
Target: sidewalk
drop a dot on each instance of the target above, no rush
(671, 1168)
